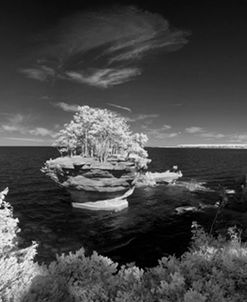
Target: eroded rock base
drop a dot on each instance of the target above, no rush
(103, 205)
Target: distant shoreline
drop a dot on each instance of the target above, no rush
(204, 147)
(237, 147)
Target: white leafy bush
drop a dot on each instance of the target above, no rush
(17, 268)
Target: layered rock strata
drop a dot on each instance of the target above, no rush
(88, 180)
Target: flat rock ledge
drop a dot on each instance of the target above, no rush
(150, 179)
(85, 163)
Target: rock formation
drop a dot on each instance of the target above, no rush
(88, 180)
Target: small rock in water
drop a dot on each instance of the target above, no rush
(185, 209)
(230, 191)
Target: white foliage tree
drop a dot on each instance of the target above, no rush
(136, 149)
(100, 133)
(17, 268)
(66, 139)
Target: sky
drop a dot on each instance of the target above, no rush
(176, 69)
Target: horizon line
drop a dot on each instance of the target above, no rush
(181, 146)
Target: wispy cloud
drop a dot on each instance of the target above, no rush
(102, 48)
(18, 123)
(204, 133)
(13, 123)
(40, 131)
(166, 127)
(212, 135)
(104, 78)
(16, 119)
(194, 129)
(10, 128)
(119, 107)
(215, 135)
(41, 73)
(140, 117)
(238, 138)
(174, 134)
(66, 107)
(149, 40)
(46, 97)
(160, 134)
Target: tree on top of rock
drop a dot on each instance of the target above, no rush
(100, 133)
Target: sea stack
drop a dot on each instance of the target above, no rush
(100, 160)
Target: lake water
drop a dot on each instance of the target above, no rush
(144, 232)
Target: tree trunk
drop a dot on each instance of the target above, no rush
(82, 149)
(86, 144)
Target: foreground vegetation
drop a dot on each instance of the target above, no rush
(212, 270)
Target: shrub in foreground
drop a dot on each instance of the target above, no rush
(212, 270)
(17, 268)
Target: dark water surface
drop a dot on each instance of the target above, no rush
(144, 232)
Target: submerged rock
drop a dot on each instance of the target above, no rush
(192, 186)
(186, 209)
(194, 209)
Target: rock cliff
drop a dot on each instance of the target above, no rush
(88, 180)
